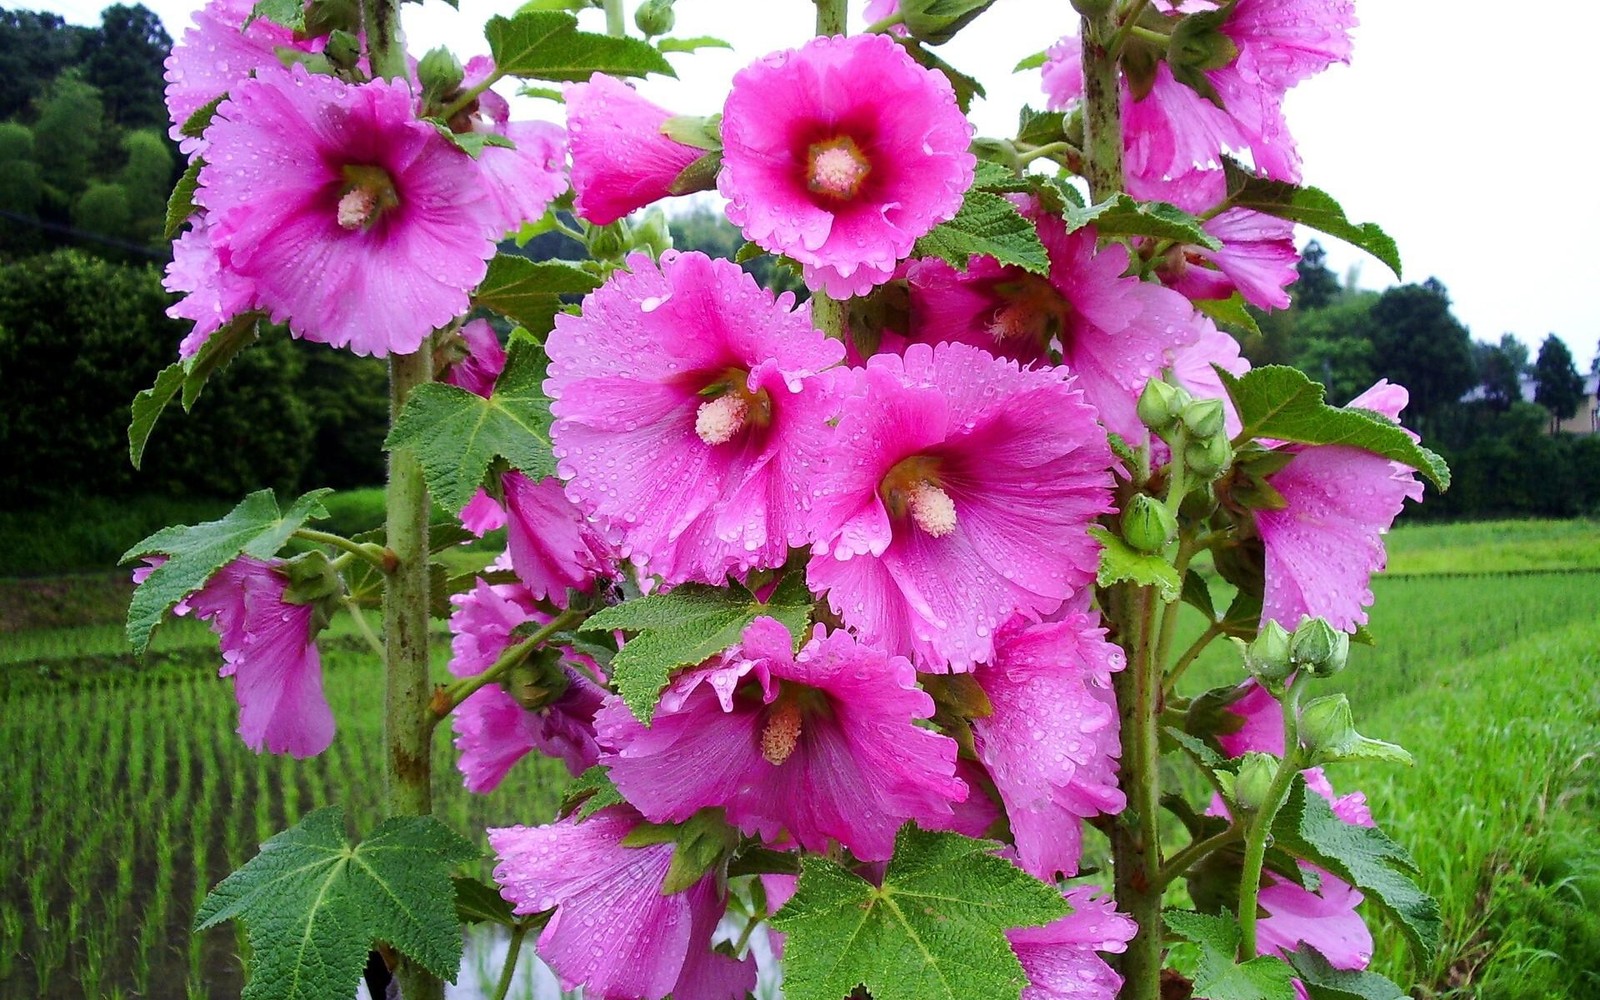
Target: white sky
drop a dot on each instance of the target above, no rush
(1458, 128)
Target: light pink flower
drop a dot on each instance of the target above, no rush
(876, 10)
(946, 506)
(620, 159)
(358, 225)
(523, 180)
(214, 54)
(1060, 958)
(213, 293)
(812, 748)
(690, 415)
(268, 650)
(1322, 549)
(614, 932)
(840, 154)
(1052, 741)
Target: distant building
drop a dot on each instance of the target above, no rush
(1585, 421)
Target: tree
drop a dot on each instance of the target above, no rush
(19, 174)
(34, 49)
(124, 60)
(1500, 369)
(1419, 344)
(67, 136)
(147, 180)
(1560, 387)
(103, 209)
(1334, 345)
(1317, 286)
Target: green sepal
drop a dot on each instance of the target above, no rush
(1119, 562)
(1034, 61)
(1038, 128)
(1324, 982)
(1197, 594)
(699, 175)
(986, 224)
(477, 903)
(937, 21)
(590, 792)
(1231, 313)
(194, 126)
(698, 131)
(289, 13)
(547, 45)
(691, 44)
(181, 205)
(471, 143)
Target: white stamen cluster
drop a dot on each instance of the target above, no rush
(356, 207)
(718, 420)
(932, 509)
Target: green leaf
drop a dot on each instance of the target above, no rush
(699, 175)
(549, 46)
(529, 292)
(991, 176)
(1037, 128)
(1218, 977)
(1309, 207)
(1280, 402)
(986, 224)
(937, 21)
(1323, 982)
(254, 528)
(457, 434)
(147, 407)
(687, 626)
(180, 206)
(590, 792)
(471, 143)
(313, 903)
(189, 375)
(1197, 749)
(477, 903)
(1230, 312)
(1364, 856)
(1197, 594)
(1031, 62)
(1122, 215)
(195, 125)
(1119, 561)
(934, 930)
(694, 130)
(690, 44)
(289, 13)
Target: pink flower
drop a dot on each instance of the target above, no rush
(1052, 741)
(620, 159)
(840, 154)
(946, 507)
(484, 360)
(877, 10)
(614, 932)
(1060, 958)
(358, 225)
(1114, 332)
(213, 293)
(268, 650)
(690, 415)
(522, 180)
(1322, 549)
(214, 55)
(812, 748)
(553, 548)
(1192, 366)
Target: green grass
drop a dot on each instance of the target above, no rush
(1498, 546)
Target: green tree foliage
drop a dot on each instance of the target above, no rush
(1560, 386)
(19, 175)
(1334, 344)
(34, 49)
(146, 178)
(1500, 370)
(706, 229)
(1317, 285)
(124, 60)
(103, 208)
(67, 136)
(1419, 344)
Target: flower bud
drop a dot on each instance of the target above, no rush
(1327, 729)
(1203, 417)
(1267, 657)
(440, 74)
(655, 17)
(651, 234)
(1253, 783)
(1160, 404)
(1147, 524)
(1319, 647)
(1208, 457)
(607, 242)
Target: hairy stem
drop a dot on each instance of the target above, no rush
(517, 934)
(615, 25)
(1135, 842)
(1102, 104)
(449, 697)
(1255, 843)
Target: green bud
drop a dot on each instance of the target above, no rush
(1253, 783)
(1147, 524)
(440, 74)
(651, 232)
(343, 49)
(1208, 457)
(655, 17)
(537, 681)
(1319, 648)
(1203, 417)
(1267, 657)
(1327, 729)
(311, 578)
(1199, 504)
(1160, 403)
(1091, 8)
(607, 242)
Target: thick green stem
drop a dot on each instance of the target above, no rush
(369, 552)
(831, 16)
(1255, 842)
(385, 52)
(1102, 106)
(615, 25)
(1135, 840)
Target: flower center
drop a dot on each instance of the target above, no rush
(836, 168)
(730, 407)
(1030, 310)
(781, 734)
(368, 193)
(912, 488)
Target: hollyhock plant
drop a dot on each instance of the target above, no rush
(1193, 369)
(1323, 547)
(213, 293)
(218, 51)
(359, 225)
(1051, 740)
(1114, 332)
(945, 507)
(816, 747)
(620, 159)
(269, 651)
(1061, 958)
(655, 943)
(840, 154)
(691, 416)
(524, 179)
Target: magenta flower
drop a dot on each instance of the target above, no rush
(1060, 958)
(1322, 549)
(690, 415)
(620, 159)
(553, 548)
(1114, 332)
(213, 293)
(215, 54)
(840, 154)
(358, 225)
(945, 507)
(484, 360)
(806, 749)
(268, 650)
(1052, 741)
(614, 932)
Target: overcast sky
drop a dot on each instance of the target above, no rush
(1469, 137)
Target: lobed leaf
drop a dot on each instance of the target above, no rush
(1218, 976)
(529, 292)
(1308, 206)
(1323, 982)
(548, 45)
(1119, 561)
(990, 225)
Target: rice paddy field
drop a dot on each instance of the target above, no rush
(124, 794)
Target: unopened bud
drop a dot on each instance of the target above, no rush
(1147, 524)
(1253, 783)
(1267, 656)
(655, 17)
(1209, 457)
(1160, 403)
(1204, 417)
(1319, 648)
(1327, 729)
(651, 233)
(343, 49)
(440, 74)
(607, 242)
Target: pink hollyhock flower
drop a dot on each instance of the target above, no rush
(620, 159)
(485, 359)
(358, 225)
(1114, 332)
(216, 53)
(840, 154)
(1192, 366)
(213, 293)
(268, 650)
(812, 748)
(1060, 958)
(1322, 549)
(1052, 741)
(523, 180)
(690, 415)
(945, 507)
(877, 10)
(614, 932)
(553, 548)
